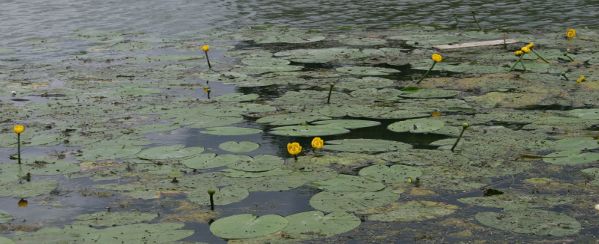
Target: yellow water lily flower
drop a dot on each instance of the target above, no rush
(317, 143)
(530, 45)
(206, 89)
(525, 49)
(23, 203)
(437, 57)
(18, 129)
(294, 148)
(518, 53)
(205, 48)
(581, 79)
(570, 33)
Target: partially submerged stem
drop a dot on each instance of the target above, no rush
(519, 61)
(541, 57)
(330, 92)
(211, 193)
(464, 127)
(19, 148)
(426, 74)
(208, 60)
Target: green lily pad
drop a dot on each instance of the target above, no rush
(512, 200)
(247, 174)
(571, 157)
(352, 201)
(169, 152)
(5, 217)
(430, 93)
(575, 143)
(317, 224)
(308, 130)
(324, 55)
(348, 123)
(211, 160)
(392, 174)
(239, 147)
(290, 119)
(244, 226)
(5, 240)
(592, 113)
(531, 221)
(258, 164)
(224, 196)
(593, 174)
(366, 71)
(27, 189)
(134, 233)
(413, 211)
(363, 41)
(108, 219)
(109, 150)
(212, 121)
(231, 131)
(349, 183)
(365, 145)
(424, 125)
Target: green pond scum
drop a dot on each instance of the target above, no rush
(134, 138)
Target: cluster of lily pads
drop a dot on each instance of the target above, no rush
(121, 101)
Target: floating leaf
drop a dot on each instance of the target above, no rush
(424, 125)
(308, 130)
(244, 226)
(108, 219)
(169, 152)
(27, 189)
(531, 221)
(366, 71)
(413, 211)
(349, 183)
(365, 145)
(512, 200)
(5, 217)
(258, 164)
(392, 174)
(317, 224)
(231, 131)
(224, 196)
(239, 147)
(211, 160)
(352, 201)
(348, 123)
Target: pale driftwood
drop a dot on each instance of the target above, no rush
(476, 44)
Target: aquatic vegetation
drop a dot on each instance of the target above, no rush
(244, 226)
(464, 127)
(437, 58)
(317, 143)
(411, 211)
(111, 218)
(311, 224)
(239, 147)
(18, 129)
(581, 79)
(531, 221)
(352, 201)
(570, 33)
(294, 149)
(5, 217)
(205, 48)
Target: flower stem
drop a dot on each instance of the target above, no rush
(211, 193)
(19, 148)
(458, 140)
(541, 57)
(476, 21)
(426, 74)
(208, 60)
(330, 92)
(519, 61)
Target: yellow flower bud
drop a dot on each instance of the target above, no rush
(518, 53)
(525, 49)
(581, 79)
(465, 125)
(437, 57)
(18, 129)
(317, 143)
(206, 89)
(23, 203)
(294, 148)
(570, 33)
(205, 48)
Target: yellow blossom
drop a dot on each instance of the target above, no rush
(205, 48)
(294, 148)
(525, 49)
(570, 33)
(437, 57)
(518, 53)
(18, 129)
(530, 45)
(581, 79)
(317, 143)
(23, 203)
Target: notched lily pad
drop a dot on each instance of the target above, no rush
(308, 130)
(424, 125)
(169, 152)
(231, 131)
(244, 226)
(531, 221)
(107, 219)
(365, 145)
(349, 183)
(352, 201)
(317, 224)
(224, 196)
(239, 147)
(412, 211)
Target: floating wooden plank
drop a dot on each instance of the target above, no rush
(477, 44)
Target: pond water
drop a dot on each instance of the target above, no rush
(113, 94)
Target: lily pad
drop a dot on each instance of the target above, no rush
(366, 71)
(352, 201)
(348, 123)
(392, 174)
(430, 93)
(231, 131)
(513, 200)
(317, 224)
(239, 147)
(258, 164)
(571, 157)
(424, 125)
(169, 152)
(211, 160)
(308, 130)
(365, 145)
(413, 211)
(108, 219)
(224, 196)
(349, 183)
(5, 217)
(27, 189)
(244, 226)
(531, 221)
